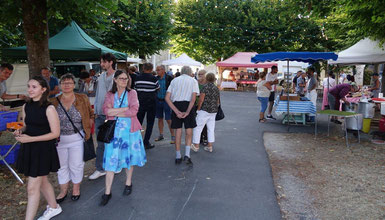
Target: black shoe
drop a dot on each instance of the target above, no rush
(105, 199)
(149, 146)
(270, 117)
(127, 190)
(61, 199)
(178, 160)
(159, 138)
(188, 160)
(75, 198)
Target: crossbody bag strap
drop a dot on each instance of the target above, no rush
(76, 129)
(122, 100)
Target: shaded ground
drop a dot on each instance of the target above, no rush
(234, 182)
(322, 179)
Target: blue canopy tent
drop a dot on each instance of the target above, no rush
(308, 57)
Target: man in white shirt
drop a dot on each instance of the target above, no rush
(272, 77)
(180, 96)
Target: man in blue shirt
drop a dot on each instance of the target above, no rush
(51, 80)
(162, 108)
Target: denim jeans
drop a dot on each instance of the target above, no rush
(264, 101)
(99, 120)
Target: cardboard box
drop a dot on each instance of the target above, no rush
(291, 97)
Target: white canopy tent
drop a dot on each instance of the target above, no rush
(366, 51)
(182, 60)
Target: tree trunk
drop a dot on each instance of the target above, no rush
(35, 27)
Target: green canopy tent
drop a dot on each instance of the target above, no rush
(72, 43)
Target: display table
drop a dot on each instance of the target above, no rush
(247, 84)
(229, 85)
(342, 114)
(297, 111)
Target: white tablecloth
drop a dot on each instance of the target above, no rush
(231, 85)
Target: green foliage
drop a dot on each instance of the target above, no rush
(139, 27)
(210, 30)
(367, 16)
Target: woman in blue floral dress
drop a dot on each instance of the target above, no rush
(126, 149)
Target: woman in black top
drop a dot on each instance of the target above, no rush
(38, 156)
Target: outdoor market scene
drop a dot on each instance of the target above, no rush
(238, 109)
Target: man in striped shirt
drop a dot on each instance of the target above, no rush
(147, 85)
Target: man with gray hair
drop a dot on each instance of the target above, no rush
(162, 108)
(180, 96)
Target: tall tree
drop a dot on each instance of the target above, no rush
(140, 27)
(34, 16)
(209, 30)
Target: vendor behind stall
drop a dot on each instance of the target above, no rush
(6, 70)
(338, 93)
(375, 86)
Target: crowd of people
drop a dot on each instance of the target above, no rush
(58, 120)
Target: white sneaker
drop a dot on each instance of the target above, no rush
(50, 212)
(96, 175)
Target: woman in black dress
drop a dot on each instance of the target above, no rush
(38, 156)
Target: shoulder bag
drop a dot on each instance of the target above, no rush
(89, 148)
(107, 129)
(220, 115)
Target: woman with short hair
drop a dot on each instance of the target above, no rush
(126, 150)
(206, 111)
(74, 110)
(263, 93)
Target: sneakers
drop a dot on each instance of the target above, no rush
(96, 175)
(172, 140)
(50, 213)
(270, 117)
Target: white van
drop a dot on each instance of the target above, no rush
(17, 82)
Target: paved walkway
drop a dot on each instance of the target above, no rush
(234, 182)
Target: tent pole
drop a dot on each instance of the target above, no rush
(287, 93)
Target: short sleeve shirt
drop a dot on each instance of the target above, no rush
(182, 88)
(270, 78)
(53, 82)
(210, 103)
(3, 88)
(312, 82)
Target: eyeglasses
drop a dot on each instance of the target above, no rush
(66, 83)
(123, 79)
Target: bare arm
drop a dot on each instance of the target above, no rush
(172, 106)
(268, 85)
(191, 105)
(54, 124)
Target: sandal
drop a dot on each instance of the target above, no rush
(195, 149)
(208, 149)
(159, 138)
(262, 120)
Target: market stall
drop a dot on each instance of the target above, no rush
(239, 61)
(365, 51)
(308, 57)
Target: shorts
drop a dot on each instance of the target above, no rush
(272, 97)
(189, 121)
(163, 110)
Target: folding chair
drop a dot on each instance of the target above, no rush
(2, 158)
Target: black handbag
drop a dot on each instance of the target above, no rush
(220, 115)
(107, 129)
(89, 148)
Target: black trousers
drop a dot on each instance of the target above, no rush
(147, 107)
